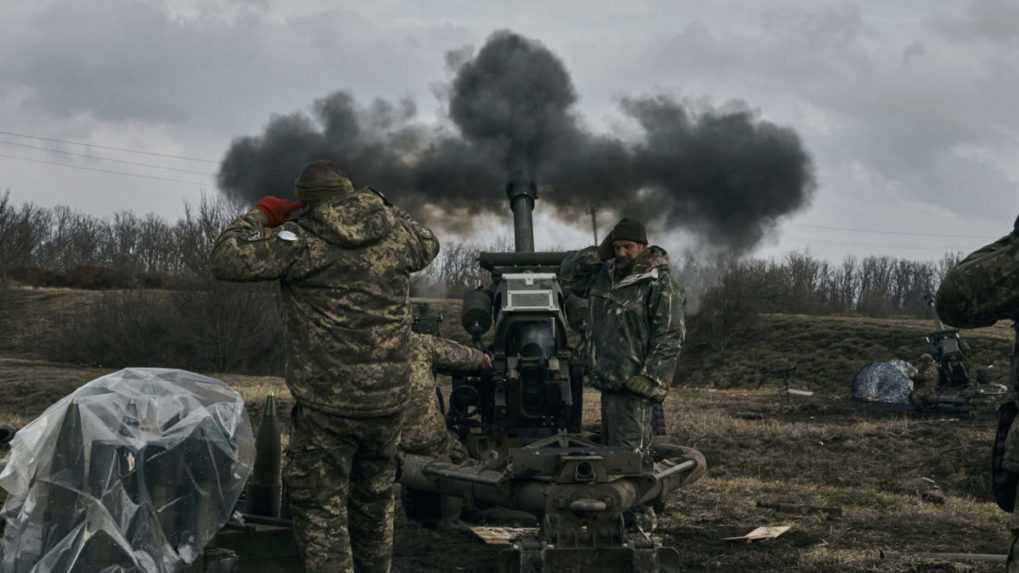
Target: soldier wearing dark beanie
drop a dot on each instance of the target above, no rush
(635, 331)
(629, 230)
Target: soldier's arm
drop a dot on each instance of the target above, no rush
(666, 307)
(247, 250)
(982, 288)
(579, 269)
(449, 355)
(423, 244)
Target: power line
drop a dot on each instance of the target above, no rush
(98, 146)
(110, 171)
(883, 232)
(124, 161)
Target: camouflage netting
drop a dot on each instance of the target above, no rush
(885, 382)
(134, 472)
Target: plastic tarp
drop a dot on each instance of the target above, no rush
(133, 472)
(885, 382)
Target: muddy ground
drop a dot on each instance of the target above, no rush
(852, 480)
(872, 479)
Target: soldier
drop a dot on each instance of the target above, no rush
(424, 426)
(343, 258)
(577, 314)
(925, 382)
(982, 289)
(636, 328)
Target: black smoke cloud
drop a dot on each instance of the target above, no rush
(723, 174)
(513, 101)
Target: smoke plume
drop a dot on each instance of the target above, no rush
(724, 174)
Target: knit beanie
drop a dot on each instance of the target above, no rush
(629, 230)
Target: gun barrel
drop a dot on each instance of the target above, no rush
(491, 261)
(522, 193)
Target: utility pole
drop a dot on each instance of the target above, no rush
(594, 224)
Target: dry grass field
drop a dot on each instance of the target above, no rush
(851, 479)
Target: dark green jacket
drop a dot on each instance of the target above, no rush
(344, 265)
(636, 327)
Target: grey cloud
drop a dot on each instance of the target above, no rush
(986, 20)
(123, 61)
(905, 118)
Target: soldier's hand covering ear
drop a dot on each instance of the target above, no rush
(644, 386)
(487, 362)
(277, 210)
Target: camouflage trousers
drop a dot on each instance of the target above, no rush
(340, 473)
(626, 420)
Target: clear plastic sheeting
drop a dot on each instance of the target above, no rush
(133, 472)
(885, 382)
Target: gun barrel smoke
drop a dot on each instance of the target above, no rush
(724, 174)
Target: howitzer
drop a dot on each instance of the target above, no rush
(521, 420)
(948, 350)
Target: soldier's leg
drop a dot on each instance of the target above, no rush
(372, 507)
(317, 476)
(626, 420)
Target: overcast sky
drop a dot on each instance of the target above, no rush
(907, 107)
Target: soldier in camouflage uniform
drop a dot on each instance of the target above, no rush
(925, 381)
(981, 290)
(424, 426)
(343, 259)
(636, 328)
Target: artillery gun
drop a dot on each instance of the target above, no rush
(521, 423)
(957, 387)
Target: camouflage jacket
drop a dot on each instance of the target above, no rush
(635, 324)
(983, 288)
(344, 266)
(423, 424)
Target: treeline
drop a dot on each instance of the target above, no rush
(61, 247)
(728, 295)
(800, 283)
